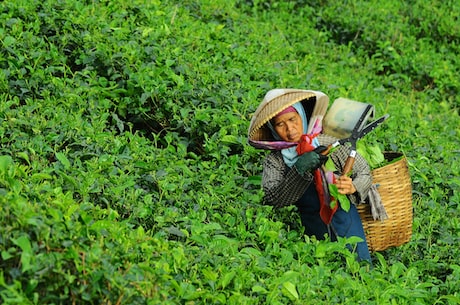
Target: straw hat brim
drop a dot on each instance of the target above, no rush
(275, 101)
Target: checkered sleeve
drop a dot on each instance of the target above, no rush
(282, 185)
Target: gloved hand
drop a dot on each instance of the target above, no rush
(319, 150)
(308, 162)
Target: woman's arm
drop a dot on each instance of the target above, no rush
(361, 173)
(361, 179)
(282, 185)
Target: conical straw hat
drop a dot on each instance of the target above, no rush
(276, 100)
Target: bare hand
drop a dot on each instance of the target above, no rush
(345, 185)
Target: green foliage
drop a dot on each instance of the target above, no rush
(418, 48)
(125, 174)
(372, 153)
(338, 198)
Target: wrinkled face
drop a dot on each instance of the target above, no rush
(289, 126)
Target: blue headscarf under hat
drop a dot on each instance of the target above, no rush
(290, 154)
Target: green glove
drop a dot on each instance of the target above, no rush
(307, 162)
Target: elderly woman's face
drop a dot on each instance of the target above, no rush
(289, 126)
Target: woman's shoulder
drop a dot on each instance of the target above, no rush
(273, 156)
(325, 139)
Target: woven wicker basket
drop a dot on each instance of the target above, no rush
(396, 192)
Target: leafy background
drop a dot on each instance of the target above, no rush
(125, 174)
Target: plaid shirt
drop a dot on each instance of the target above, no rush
(283, 185)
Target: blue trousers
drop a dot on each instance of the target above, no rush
(344, 224)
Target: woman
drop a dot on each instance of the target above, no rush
(288, 178)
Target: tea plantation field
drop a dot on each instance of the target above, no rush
(125, 172)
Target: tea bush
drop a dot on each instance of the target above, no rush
(125, 174)
(419, 47)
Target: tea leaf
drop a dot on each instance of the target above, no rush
(341, 198)
(27, 254)
(63, 159)
(229, 139)
(5, 163)
(227, 278)
(290, 290)
(259, 289)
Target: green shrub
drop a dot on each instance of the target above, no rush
(125, 173)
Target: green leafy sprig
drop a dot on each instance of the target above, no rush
(371, 153)
(336, 197)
